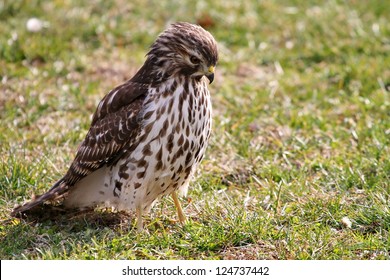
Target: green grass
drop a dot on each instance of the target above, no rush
(300, 138)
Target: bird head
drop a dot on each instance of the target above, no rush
(185, 49)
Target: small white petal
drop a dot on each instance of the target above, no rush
(34, 25)
(346, 222)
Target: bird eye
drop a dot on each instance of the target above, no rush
(194, 60)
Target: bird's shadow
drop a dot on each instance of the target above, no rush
(75, 220)
(23, 233)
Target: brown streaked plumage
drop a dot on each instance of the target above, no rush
(147, 135)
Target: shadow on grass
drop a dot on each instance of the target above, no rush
(69, 219)
(41, 228)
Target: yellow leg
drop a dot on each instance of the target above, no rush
(180, 213)
(139, 219)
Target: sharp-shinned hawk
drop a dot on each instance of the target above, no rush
(147, 135)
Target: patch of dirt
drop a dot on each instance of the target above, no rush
(251, 252)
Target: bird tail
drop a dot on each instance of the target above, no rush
(55, 192)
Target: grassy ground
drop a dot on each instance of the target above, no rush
(298, 166)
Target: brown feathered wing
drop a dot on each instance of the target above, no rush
(113, 131)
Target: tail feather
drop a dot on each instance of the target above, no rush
(55, 192)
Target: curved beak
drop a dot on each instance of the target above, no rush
(210, 74)
(210, 77)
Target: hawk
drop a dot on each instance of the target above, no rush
(148, 135)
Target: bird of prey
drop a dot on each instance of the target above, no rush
(148, 135)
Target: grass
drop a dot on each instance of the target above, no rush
(298, 166)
